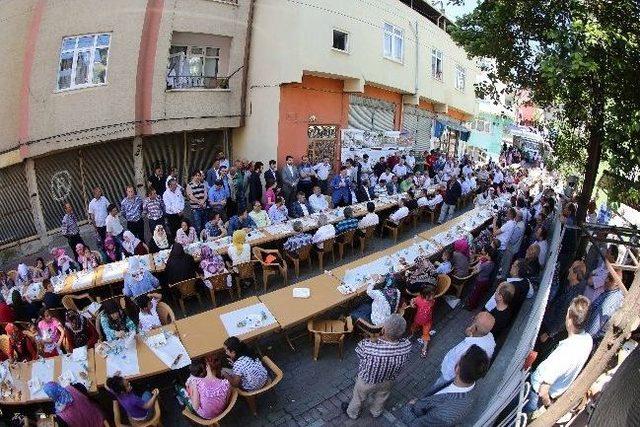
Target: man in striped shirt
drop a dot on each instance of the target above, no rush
(197, 196)
(69, 228)
(380, 363)
(131, 207)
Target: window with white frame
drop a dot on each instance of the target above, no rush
(461, 76)
(340, 40)
(393, 42)
(481, 125)
(193, 66)
(436, 64)
(83, 61)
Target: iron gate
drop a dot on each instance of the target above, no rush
(16, 217)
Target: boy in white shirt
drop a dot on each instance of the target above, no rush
(148, 318)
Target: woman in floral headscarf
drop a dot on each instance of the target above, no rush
(111, 250)
(78, 331)
(21, 347)
(62, 261)
(211, 262)
(23, 276)
(423, 273)
(72, 406)
(160, 240)
(132, 245)
(86, 258)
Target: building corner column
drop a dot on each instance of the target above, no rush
(34, 200)
(138, 166)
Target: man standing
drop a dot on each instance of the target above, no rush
(218, 197)
(212, 173)
(365, 165)
(290, 178)
(451, 197)
(223, 176)
(341, 185)
(272, 174)
(156, 180)
(197, 195)
(307, 174)
(503, 234)
(174, 205)
(410, 160)
(604, 307)
(131, 207)
(69, 228)
(153, 209)
(323, 169)
(380, 167)
(254, 184)
(98, 213)
(513, 245)
(380, 363)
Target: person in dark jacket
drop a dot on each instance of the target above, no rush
(300, 207)
(451, 196)
(255, 185)
(180, 265)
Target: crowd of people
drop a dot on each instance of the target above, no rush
(505, 260)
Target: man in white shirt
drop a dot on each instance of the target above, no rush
(467, 170)
(498, 177)
(541, 241)
(410, 159)
(465, 186)
(503, 234)
(323, 169)
(318, 201)
(325, 231)
(401, 213)
(113, 226)
(365, 165)
(400, 170)
(478, 333)
(174, 206)
(380, 189)
(386, 176)
(98, 212)
(556, 373)
(371, 218)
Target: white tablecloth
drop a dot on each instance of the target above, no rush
(246, 319)
(169, 352)
(125, 361)
(41, 373)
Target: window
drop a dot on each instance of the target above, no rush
(393, 43)
(193, 66)
(83, 61)
(461, 74)
(436, 64)
(481, 125)
(340, 40)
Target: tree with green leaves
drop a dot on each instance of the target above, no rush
(580, 57)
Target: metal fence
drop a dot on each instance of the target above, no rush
(16, 217)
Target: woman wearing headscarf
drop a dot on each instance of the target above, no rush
(460, 258)
(485, 268)
(21, 347)
(186, 234)
(73, 408)
(23, 276)
(239, 251)
(386, 299)
(40, 271)
(63, 263)
(110, 249)
(211, 262)
(86, 258)
(6, 312)
(138, 280)
(160, 240)
(78, 332)
(114, 321)
(423, 273)
(24, 310)
(132, 245)
(180, 265)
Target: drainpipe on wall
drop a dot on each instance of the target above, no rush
(417, 60)
(245, 61)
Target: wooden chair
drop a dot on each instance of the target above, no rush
(393, 228)
(343, 240)
(186, 289)
(444, 282)
(155, 421)
(367, 235)
(272, 269)
(69, 301)
(329, 332)
(52, 270)
(459, 283)
(414, 215)
(4, 345)
(367, 329)
(219, 284)
(327, 247)
(165, 313)
(245, 271)
(98, 256)
(304, 254)
(250, 396)
(195, 419)
(12, 274)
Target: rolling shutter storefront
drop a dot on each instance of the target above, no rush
(420, 122)
(371, 114)
(16, 217)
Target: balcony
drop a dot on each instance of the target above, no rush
(197, 82)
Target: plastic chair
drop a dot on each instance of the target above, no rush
(442, 286)
(69, 301)
(327, 247)
(367, 235)
(393, 228)
(343, 240)
(304, 254)
(245, 271)
(367, 329)
(459, 283)
(274, 268)
(155, 421)
(4, 345)
(186, 289)
(329, 332)
(165, 313)
(214, 421)
(219, 284)
(250, 396)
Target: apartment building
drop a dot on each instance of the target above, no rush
(96, 93)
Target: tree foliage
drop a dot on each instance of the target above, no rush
(581, 57)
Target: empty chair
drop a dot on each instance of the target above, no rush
(329, 332)
(272, 264)
(185, 290)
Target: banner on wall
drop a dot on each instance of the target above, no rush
(356, 142)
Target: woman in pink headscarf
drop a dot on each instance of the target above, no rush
(62, 261)
(460, 258)
(86, 258)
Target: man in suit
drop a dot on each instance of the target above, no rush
(341, 185)
(300, 207)
(448, 405)
(272, 174)
(290, 178)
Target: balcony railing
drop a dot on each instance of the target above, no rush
(197, 82)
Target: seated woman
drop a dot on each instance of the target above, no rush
(110, 250)
(62, 262)
(132, 245)
(41, 271)
(25, 311)
(239, 251)
(208, 394)
(23, 276)
(138, 280)
(50, 299)
(78, 331)
(186, 234)
(138, 408)
(160, 240)
(213, 229)
(180, 265)
(423, 273)
(86, 258)
(247, 371)
(21, 347)
(211, 264)
(269, 196)
(485, 268)
(114, 322)
(386, 300)
(148, 318)
(259, 216)
(460, 258)
(6, 312)
(73, 407)
(51, 333)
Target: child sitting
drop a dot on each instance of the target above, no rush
(138, 408)
(148, 317)
(424, 304)
(444, 267)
